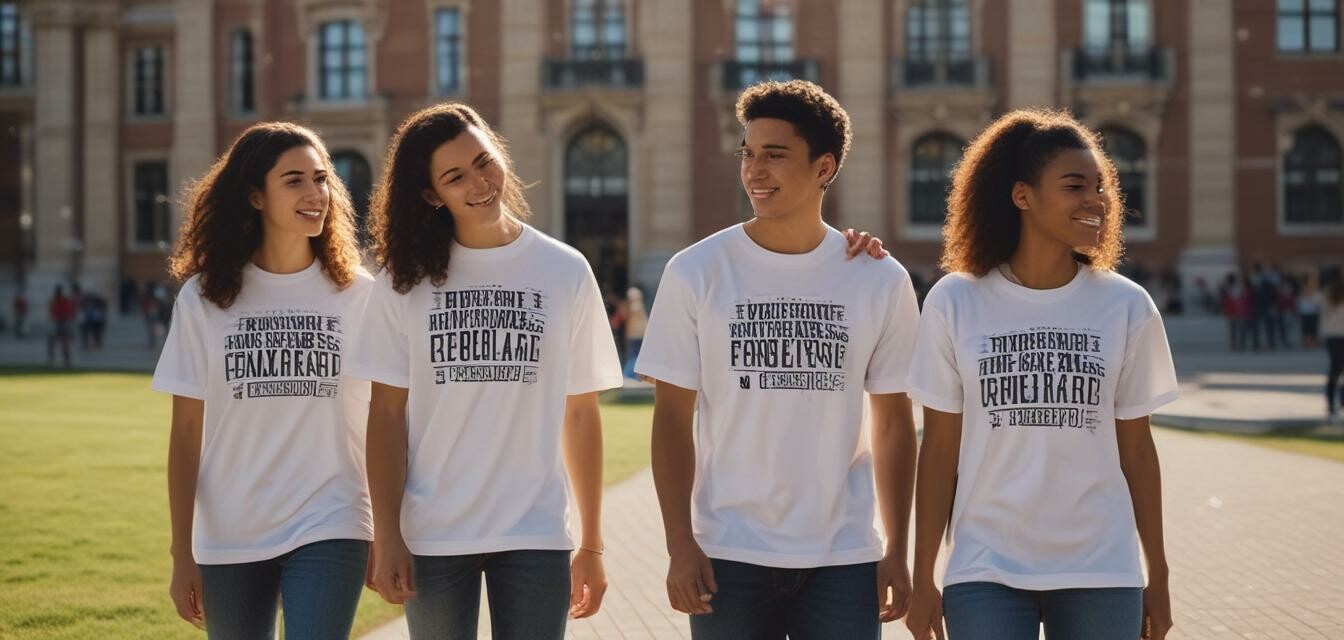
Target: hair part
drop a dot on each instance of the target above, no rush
(411, 239)
(222, 230)
(815, 115)
(984, 226)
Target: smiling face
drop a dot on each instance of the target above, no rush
(466, 177)
(1066, 204)
(776, 172)
(296, 194)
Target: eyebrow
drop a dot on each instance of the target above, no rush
(296, 172)
(768, 146)
(476, 160)
(1078, 176)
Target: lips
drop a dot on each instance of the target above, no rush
(1091, 221)
(311, 214)
(758, 193)
(490, 199)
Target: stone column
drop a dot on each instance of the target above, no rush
(193, 97)
(55, 67)
(1033, 55)
(523, 36)
(863, 68)
(1211, 251)
(101, 161)
(666, 223)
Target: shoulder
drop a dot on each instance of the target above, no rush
(953, 287)
(1116, 287)
(556, 252)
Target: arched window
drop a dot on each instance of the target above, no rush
(1312, 190)
(597, 204)
(932, 160)
(595, 164)
(1130, 156)
(354, 172)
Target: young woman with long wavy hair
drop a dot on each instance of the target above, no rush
(265, 467)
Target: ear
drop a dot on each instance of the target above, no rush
(1022, 196)
(431, 198)
(256, 199)
(826, 168)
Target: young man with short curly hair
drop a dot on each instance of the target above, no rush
(764, 331)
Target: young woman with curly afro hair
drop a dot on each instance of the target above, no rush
(1038, 367)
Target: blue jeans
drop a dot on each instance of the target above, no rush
(991, 611)
(765, 603)
(528, 591)
(631, 355)
(319, 584)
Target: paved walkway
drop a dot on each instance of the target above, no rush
(1253, 539)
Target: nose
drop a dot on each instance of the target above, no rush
(752, 167)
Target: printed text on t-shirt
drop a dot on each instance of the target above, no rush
(486, 334)
(1042, 377)
(783, 342)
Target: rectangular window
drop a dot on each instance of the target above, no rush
(151, 202)
(244, 96)
(597, 30)
(448, 50)
(1111, 25)
(149, 81)
(343, 66)
(11, 46)
(1308, 26)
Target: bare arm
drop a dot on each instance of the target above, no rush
(689, 570)
(385, 450)
(184, 461)
(1138, 461)
(935, 489)
(894, 468)
(582, 442)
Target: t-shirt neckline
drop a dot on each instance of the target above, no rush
(510, 250)
(998, 280)
(788, 260)
(298, 277)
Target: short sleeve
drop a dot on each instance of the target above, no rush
(183, 368)
(1147, 376)
(889, 368)
(935, 380)
(381, 347)
(593, 363)
(671, 348)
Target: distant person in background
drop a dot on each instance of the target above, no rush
(1237, 310)
(1332, 327)
(1309, 311)
(61, 313)
(1287, 307)
(129, 296)
(616, 318)
(149, 311)
(636, 318)
(20, 312)
(1265, 308)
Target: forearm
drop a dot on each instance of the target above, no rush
(674, 470)
(582, 445)
(934, 490)
(184, 457)
(894, 456)
(386, 463)
(1143, 473)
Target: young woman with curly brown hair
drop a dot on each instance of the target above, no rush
(1038, 367)
(487, 343)
(265, 471)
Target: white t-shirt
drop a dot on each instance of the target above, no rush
(282, 446)
(781, 349)
(1040, 377)
(489, 358)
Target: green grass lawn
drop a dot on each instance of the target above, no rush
(84, 507)
(1320, 447)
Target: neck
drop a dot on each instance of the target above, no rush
(283, 252)
(789, 234)
(1040, 263)
(487, 234)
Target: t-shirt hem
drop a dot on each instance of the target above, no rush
(178, 388)
(887, 385)
(1141, 410)
(590, 385)
(935, 401)
(669, 375)
(1049, 582)
(489, 545)
(316, 534)
(794, 561)
(367, 372)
